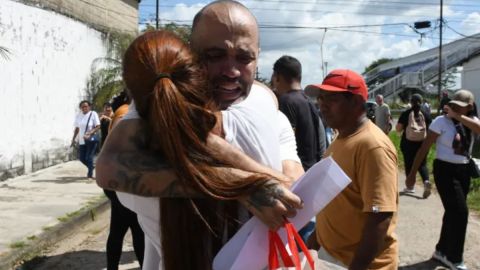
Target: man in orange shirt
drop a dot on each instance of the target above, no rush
(356, 229)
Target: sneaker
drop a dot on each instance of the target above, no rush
(438, 255)
(427, 189)
(408, 190)
(459, 266)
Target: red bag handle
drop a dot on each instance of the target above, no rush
(275, 243)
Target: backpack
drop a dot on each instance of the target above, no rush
(416, 131)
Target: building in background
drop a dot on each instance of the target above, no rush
(471, 77)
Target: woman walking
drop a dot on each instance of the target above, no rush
(87, 124)
(453, 135)
(413, 123)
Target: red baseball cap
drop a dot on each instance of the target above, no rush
(340, 80)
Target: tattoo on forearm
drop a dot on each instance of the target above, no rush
(130, 182)
(176, 190)
(266, 196)
(142, 161)
(137, 167)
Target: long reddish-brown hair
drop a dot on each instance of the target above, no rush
(169, 90)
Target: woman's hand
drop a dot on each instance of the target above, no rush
(451, 113)
(272, 203)
(87, 135)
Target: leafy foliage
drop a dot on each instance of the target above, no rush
(377, 63)
(183, 31)
(105, 79)
(449, 79)
(5, 53)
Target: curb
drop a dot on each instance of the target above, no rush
(55, 234)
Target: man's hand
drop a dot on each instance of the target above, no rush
(272, 203)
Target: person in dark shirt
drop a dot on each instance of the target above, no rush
(105, 119)
(410, 147)
(444, 101)
(302, 114)
(300, 111)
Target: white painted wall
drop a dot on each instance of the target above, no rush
(471, 77)
(42, 83)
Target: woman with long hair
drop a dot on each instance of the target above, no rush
(170, 94)
(453, 133)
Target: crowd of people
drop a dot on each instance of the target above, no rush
(202, 147)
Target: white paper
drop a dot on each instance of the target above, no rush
(248, 249)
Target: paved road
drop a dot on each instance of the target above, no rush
(418, 230)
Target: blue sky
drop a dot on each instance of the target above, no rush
(358, 31)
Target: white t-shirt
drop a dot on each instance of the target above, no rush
(445, 127)
(255, 126)
(81, 124)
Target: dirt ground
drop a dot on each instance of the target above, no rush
(418, 230)
(84, 249)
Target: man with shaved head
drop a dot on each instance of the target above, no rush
(225, 38)
(231, 57)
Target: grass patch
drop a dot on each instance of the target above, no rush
(473, 198)
(32, 237)
(68, 216)
(96, 231)
(18, 244)
(395, 137)
(47, 228)
(90, 203)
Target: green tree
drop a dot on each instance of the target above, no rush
(105, 79)
(449, 79)
(377, 63)
(5, 53)
(181, 30)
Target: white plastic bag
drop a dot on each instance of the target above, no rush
(248, 249)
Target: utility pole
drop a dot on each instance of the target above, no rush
(321, 52)
(156, 17)
(440, 54)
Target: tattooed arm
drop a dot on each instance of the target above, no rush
(124, 165)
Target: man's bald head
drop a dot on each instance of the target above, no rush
(232, 15)
(225, 38)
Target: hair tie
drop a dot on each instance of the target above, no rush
(162, 75)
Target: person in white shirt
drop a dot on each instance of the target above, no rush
(86, 125)
(125, 166)
(453, 134)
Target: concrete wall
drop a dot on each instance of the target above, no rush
(104, 15)
(471, 77)
(41, 84)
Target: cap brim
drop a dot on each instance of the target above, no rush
(459, 103)
(314, 89)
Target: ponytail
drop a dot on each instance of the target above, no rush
(170, 94)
